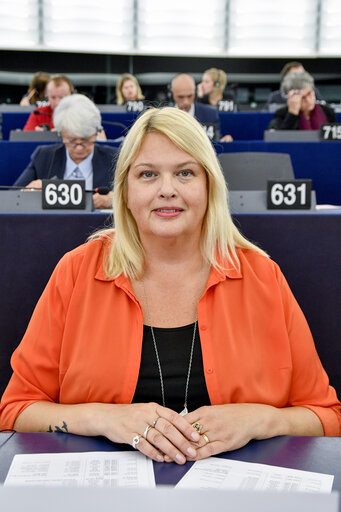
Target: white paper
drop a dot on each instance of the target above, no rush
(215, 473)
(93, 469)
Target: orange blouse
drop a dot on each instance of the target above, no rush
(84, 341)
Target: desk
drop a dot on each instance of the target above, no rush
(317, 454)
(307, 246)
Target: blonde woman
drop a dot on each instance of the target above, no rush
(128, 89)
(171, 332)
(211, 89)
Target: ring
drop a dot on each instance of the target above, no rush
(205, 437)
(197, 426)
(155, 421)
(148, 427)
(136, 441)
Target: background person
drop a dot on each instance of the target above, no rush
(128, 89)
(174, 311)
(79, 121)
(41, 119)
(302, 112)
(211, 89)
(279, 97)
(183, 92)
(36, 94)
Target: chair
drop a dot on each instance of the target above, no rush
(252, 170)
(34, 136)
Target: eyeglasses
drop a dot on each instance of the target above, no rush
(73, 143)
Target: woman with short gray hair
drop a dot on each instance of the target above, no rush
(301, 112)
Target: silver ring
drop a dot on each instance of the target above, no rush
(136, 441)
(148, 427)
(155, 421)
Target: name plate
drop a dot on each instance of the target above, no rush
(63, 195)
(210, 130)
(134, 106)
(289, 195)
(330, 131)
(226, 106)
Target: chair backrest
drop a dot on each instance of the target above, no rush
(32, 136)
(252, 170)
(292, 135)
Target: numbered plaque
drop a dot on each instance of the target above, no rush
(63, 195)
(330, 131)
(225, 106)
(134, 106)
(289, 195)
(210, 130)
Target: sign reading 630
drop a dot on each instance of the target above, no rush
(63, 194)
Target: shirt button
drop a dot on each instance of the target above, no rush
(209, 370)
(203, 327)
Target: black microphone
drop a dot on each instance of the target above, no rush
(36, 112)
(115, 123)
(16, 187)
(103, 191)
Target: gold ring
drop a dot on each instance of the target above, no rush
(205, 437)
(197, 426)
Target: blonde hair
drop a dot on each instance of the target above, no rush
(219, 79)
(123, 78)
(219, 237)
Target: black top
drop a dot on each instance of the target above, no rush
(284, 120)
(174, 347)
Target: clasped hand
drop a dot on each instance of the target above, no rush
(165, 436)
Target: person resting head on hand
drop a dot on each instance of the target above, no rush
(198, 345)
(78, 120)
(128, 89)
(302, 111)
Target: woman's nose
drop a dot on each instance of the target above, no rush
(167, 186)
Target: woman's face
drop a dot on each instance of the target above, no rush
(308, 99)
(129, 90)
(167, 191)
(207, 83)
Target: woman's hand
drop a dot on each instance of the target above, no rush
(229, 427)
(161, 434)
(294, 101)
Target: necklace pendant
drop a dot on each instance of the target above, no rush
(184, 411)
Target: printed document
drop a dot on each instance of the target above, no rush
(95, 469)
(216, 473)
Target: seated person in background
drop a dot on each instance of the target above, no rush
(36, 94)
(42, 118)
(128, 89)
(183, 92)
(278, 97)
(78, 120)
(211, 89)
(173, 310)
(302, 112)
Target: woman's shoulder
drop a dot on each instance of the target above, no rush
(257, 264)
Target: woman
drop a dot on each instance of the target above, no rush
(174, 311)
(301, 112)
(128, 89)
(36, 94)
(211, 89)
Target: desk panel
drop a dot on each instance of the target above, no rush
(307, 247)
(317, 454)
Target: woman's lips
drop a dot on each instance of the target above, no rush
(167, 212)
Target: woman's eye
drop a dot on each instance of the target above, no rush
(185, 174)
(147, 174)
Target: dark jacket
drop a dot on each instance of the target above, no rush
(283, 120)
(49, 162)
(207, 115)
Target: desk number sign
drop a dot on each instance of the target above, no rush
(226, 106)
(210, 130)
(134, 106)
(289, 195)
(331, 131)
(63, 194)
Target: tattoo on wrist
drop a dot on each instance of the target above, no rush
(63, 428)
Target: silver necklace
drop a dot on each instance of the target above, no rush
(185, 409)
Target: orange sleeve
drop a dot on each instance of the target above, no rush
(35, 362)
(310, 384)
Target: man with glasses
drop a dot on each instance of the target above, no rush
(78, 121)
